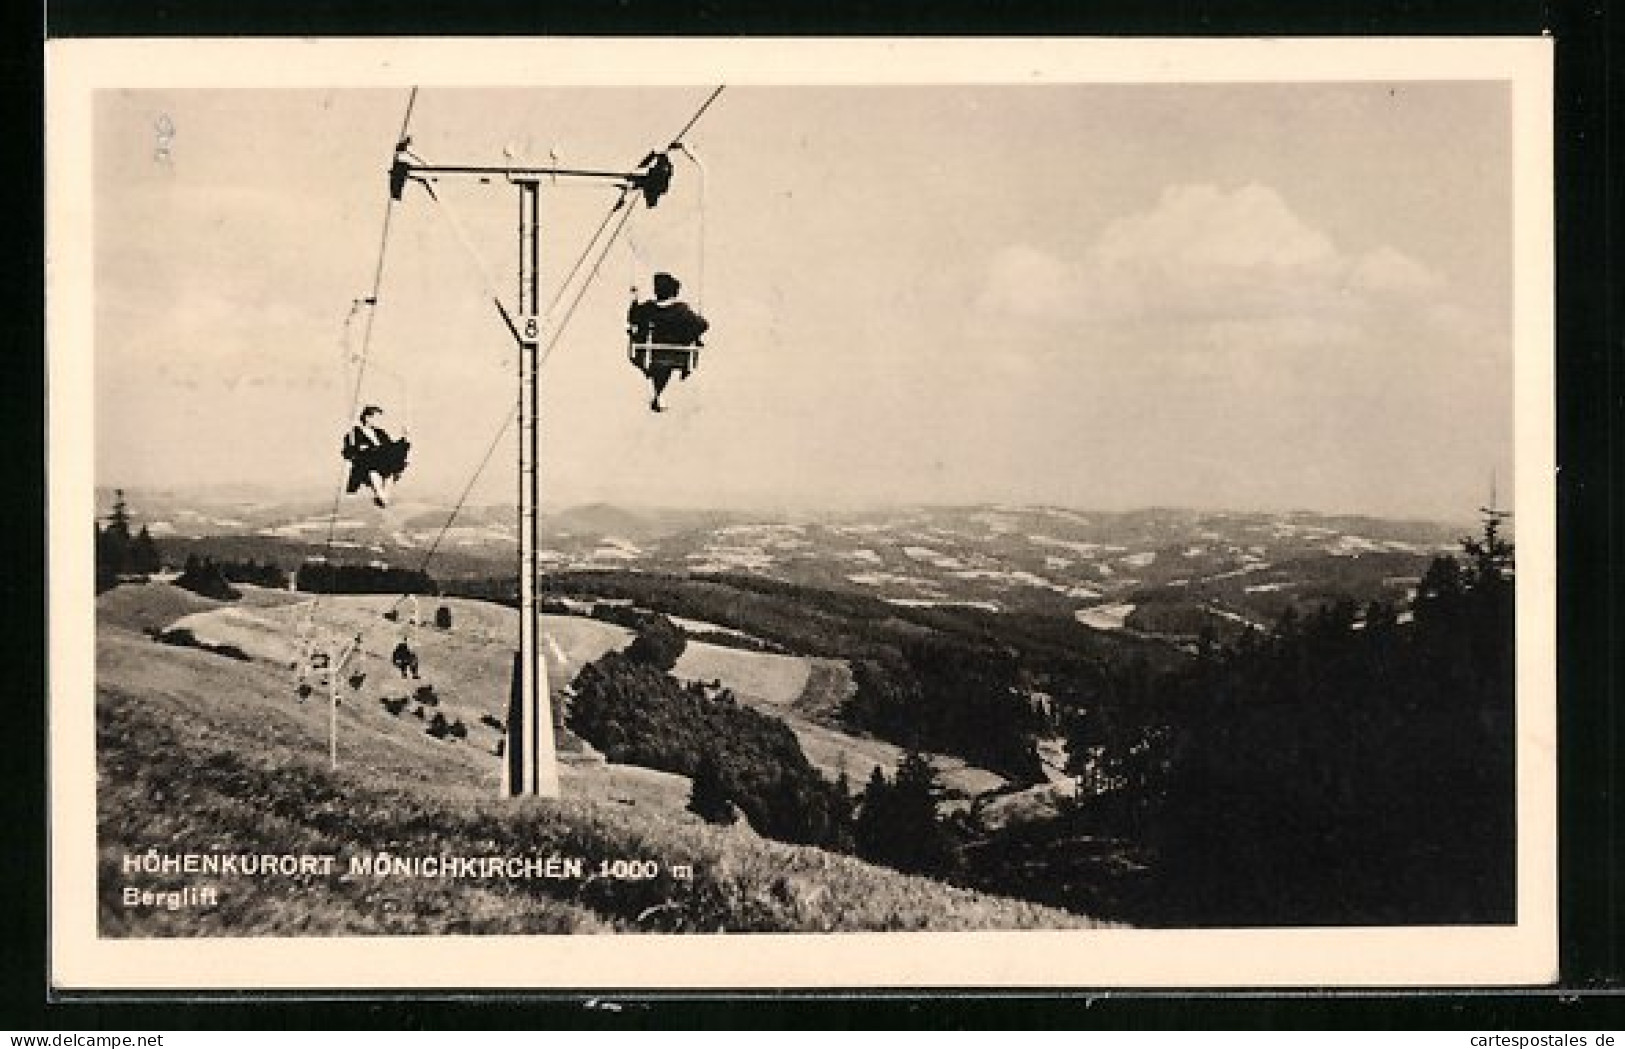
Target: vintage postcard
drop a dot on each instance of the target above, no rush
(983, 513)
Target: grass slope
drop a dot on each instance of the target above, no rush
(198, 753)
(470, 665)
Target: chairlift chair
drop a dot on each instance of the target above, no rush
(644, 355)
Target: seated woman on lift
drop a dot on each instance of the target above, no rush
(665, 326)
(376, 459)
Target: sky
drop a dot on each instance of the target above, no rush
(1227, 296)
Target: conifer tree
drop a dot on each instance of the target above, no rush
(659, 644)
(114, 545)
(144, 556)
(118, 522)
(897, 824)
(709, 798)
(873, 826)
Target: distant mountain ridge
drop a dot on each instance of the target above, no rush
(1158, 571)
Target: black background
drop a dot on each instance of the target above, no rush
(1591, 543)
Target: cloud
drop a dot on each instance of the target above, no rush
(1385, 273)
(1200, 230)
(1204, 257)
(1223, 323)
(1025, 282)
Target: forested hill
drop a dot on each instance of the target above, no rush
(1345, 768)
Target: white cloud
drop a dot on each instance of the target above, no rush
(1201, 230)
(1385, 272)
(1202, 256)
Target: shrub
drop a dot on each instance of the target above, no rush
(639, 715)
(203, 577)
(184, 638)
(659, 645)
(321, 577)
(709, 797)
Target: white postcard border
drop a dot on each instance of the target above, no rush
(1523, 954)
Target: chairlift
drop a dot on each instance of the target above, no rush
(645, 349)
(664, 334)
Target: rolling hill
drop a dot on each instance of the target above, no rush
(201, 752)
(1162, 573)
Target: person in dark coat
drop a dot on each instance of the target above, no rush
(404, 659)
(664, 321)
(376, 459)
(653, 177)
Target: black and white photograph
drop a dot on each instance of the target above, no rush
(640, 513)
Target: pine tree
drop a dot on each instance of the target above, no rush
(118, 522)
(872, 829)
(709, 798)
(204, 577)
(928, 846)
(144, 556)
(660, 644)
(106, 562)
(898, 825)
(114, 545)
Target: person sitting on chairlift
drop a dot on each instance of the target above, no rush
(664, 321)
(405, 660)
(376, 459)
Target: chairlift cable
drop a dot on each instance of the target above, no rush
(557, 330)
(508, 420)
(307, 625)
(558, 333)
(366, 336)
(587, 250)
(487, 281)
(699, 277)
(592, 275)
(485, 460)
(406, 120)
(378, 271)
(496, 440)
(677, 139)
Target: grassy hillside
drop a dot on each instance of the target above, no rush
(470, 664)
(199, 753)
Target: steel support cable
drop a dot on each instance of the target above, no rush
(371, 303)
(581, 292)
(378, 270)
(487, 281)
(361, 361)
(599, 232)
(677, 144)
(677, 139)
(366, 337)
(485, 271)
(558, 331)
(699, 298)
(496, 440)
(563, 287)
